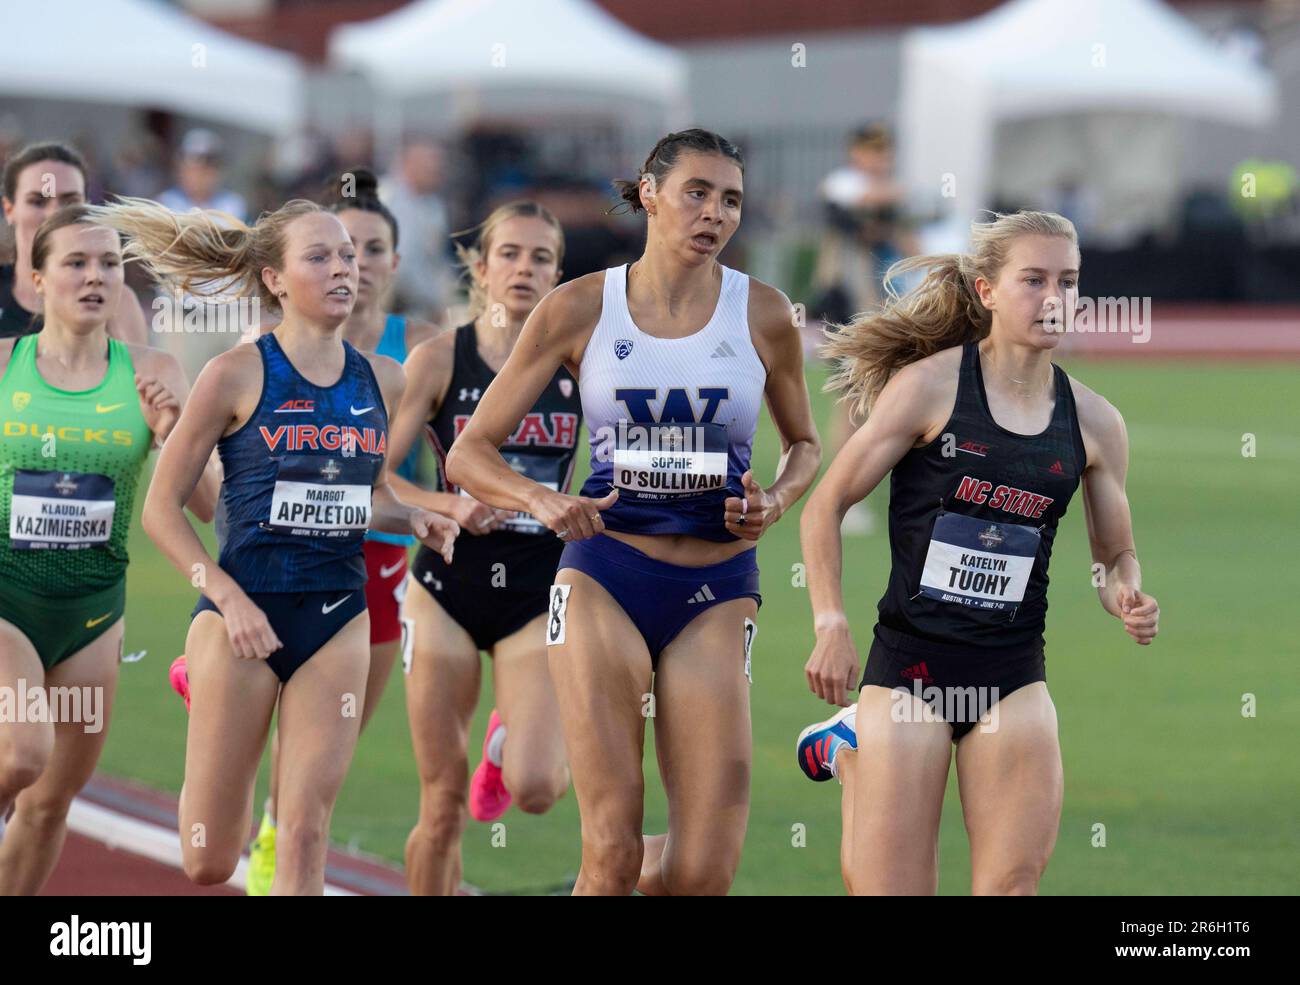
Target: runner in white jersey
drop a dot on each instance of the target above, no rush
(654, 604)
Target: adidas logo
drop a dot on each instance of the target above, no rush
(723, 350)
(703, 595)
(1056, 468)
(917, 671)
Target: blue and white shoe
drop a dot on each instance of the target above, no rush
(820, 742)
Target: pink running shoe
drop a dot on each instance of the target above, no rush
(488, 796)
(180, 678)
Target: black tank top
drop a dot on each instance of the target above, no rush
(15, 320)
(972, 517)
(542, 447)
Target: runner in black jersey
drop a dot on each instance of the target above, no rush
(37, 181)
(985, 442)
(300, 419)
(493, 596)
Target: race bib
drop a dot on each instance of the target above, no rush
(544, 469)
(978, 563)
(659, 461)
(60, 510)
(317, 496)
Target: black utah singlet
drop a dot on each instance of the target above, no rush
(971, 531)
(15, 320)
(542, 448)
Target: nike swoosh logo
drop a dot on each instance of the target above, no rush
(389, 572)
(100, 408)
(325, 610)
(92, 623)
(362, 410)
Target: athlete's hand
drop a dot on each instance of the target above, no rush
(1140, 613)
(832, 670)
(159, 405)
(435, 531)
(479, 518)
(748, 518)
(572, 517)
(250, 632)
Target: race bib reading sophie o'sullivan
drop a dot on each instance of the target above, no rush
(660, 460)
(977, 563)
(317, 496)
(67, 510)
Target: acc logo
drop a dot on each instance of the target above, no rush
(990, 537)
(296, 407)
(21, 399)
(622, 348)
(566, 387)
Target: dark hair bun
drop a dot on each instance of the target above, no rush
(350, 186)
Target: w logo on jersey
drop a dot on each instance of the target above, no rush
(677, 408)
(622, 348)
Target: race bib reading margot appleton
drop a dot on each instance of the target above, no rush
(317, 496)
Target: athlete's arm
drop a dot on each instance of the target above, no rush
(163, 390)
(127, 322)
(780, 348)
(428, 374)
(554, 335)
(390, 514)
(906, 412)
(224, 396)
(1110, 524)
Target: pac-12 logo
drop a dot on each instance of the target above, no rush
(622, 348)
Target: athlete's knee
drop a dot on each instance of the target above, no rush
(1012, 880)
(442, 812)
(698, 875)
(611, 862)
(23, 760)
(533, 791)
(206, 866)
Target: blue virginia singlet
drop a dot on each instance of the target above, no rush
(298, 478)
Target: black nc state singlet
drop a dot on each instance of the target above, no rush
(972, 517)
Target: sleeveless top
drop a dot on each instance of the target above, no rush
(972, 518)
(671, 421)
(543, 446)
(298, 478)
(70, 462)
(15, 320)
(393, 344)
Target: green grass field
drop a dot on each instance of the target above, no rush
(1195, 798)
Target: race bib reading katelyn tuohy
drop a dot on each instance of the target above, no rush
(977, 563)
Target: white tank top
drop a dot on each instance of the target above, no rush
(671, 421)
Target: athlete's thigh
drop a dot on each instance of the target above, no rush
(525, 697)
(601, 673)
(82, 689)
(442, 689)
(320, 719)
(21, 742)
(231, 702)
(901, 770)
(1012, 785)
(382, 658)
(703, 735)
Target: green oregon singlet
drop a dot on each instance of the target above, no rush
(69, 465)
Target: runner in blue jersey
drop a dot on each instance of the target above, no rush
(654, 606)
(353, 197)
(300, 422)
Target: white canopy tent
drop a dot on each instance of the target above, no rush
(141, 53)
(1129, 68)
(504, 56)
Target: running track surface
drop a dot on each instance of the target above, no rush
(122, 838)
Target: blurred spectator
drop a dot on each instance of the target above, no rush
(199, 178)
(411, 193)
(137, 166)
(1073, 199)
(865, 227)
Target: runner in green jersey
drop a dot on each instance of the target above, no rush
(78, 414)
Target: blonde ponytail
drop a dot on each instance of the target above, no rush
(203, 252)
(942, 311)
